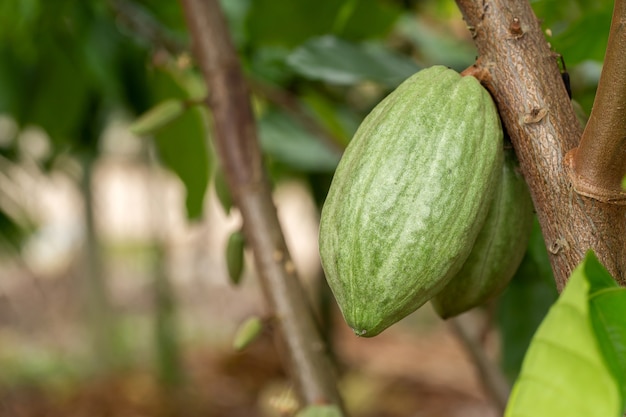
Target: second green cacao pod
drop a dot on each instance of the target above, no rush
(498, 250)
(409, 197)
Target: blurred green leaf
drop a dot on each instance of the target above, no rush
(247, 333)
(586, 38)
(13, 80)
(320, 411)
(434, 45)
(158, 116)
(340, 120)
(168, 13)
(270, 63)
(340, 62)
(183, 144)
(222, 190)
(287, 142)
(236, 12)
(289, 23)
(564, 371)
(58, 92)
(234, 256)
(59, 68)
(524, 304)
(11, 233)
(557, 15)
(364, 19)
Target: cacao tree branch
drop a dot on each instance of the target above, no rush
(517, 66)
(598, 165)
(240, 155)
(493, 381)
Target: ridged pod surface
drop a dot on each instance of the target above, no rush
(498, 250)
(409, 197)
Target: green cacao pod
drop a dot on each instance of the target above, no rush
(498, 250)
(409, 197)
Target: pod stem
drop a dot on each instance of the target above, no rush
(239, 151)
(598, 164)
(521, 72)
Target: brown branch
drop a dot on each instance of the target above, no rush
(521, 72)
(239, 152)
(493, 381)
(598, 165)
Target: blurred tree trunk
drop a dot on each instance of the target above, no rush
(168, 357)
(99, 313)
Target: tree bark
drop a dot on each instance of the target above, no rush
(517, 66)
(240, 155)
(598, 165)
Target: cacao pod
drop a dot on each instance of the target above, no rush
(498, 250)
(409, 197)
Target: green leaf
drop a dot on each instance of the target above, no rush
(183, 143)
(320, 411)
(287, 142)
(340, 62)
(236, 12)
(340, 120)
(59, 94)
(607, 303)
(182, 147)
(234, 256)
(247, 333)
(525, 303)
(221, 189)
(564, 372)
(299, 20)
(158, 116)
(586, 38)
(624, 183)
(304, 19)
(435, 45)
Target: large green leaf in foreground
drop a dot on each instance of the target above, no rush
(565, 372)
(607, 303)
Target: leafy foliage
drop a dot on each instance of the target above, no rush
(607, 303)
(525, 303)
(340, 62)
(301, 20)
(287, 142)
(571, 365)
(182, 144)
(320, 411)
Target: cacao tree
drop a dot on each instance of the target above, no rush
(314, 70)
(575, 186)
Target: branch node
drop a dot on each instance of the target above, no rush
(558, 245)
(515, 28)
(535, 116)
(478, 71)
(589, 188)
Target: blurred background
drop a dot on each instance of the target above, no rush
(120, 294)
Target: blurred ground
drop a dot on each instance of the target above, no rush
(48, 364)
